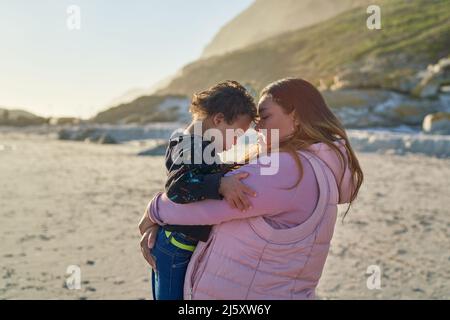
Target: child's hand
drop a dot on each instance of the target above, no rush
(235, 192)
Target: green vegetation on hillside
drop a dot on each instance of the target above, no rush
(268, 18)
(414, 34)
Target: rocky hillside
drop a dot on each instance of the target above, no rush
(382, 77)
(388, 77)
(267, 18)
(17, 117)
(147, 109)
(339, 51)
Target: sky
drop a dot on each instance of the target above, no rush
(51, 67)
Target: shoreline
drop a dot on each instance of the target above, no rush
(400, 140)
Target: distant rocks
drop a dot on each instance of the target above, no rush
(405, 98)
(433, 80)
(113, 134)
(159, 150)
(437, 123)
(106, 139)
(400, 143)
(361, 108)
(355, 98)
(87, 135)
(355, 107)
(64, 134)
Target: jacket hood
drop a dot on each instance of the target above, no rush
(340, 170)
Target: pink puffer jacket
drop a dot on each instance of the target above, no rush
(245, 257)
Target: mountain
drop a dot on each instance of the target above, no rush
(18, 117)
(14, 114)
(147, 109)
(128, 96)
(267, 18)
(339, 52)
(135, 93)
(388, 77)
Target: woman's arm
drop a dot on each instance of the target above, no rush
(272, 198)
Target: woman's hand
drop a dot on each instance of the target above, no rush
(147, 242)
(235, 192)
(148, 230)
(145, 222)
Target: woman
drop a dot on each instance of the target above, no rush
(277, 249)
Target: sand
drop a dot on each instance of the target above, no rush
(72, 203)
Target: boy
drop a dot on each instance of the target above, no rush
(192, 177)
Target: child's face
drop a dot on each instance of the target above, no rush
(235, 130)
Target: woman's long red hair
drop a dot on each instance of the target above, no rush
(315, 122)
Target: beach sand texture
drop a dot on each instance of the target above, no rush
(70, 203)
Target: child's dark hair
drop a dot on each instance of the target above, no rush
(229, 98)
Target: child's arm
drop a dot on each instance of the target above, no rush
(192, 185)
(189, 182)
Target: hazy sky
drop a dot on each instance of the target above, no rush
(49, 69)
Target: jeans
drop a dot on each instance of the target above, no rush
(171, 266)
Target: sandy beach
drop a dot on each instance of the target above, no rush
(68, 203)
